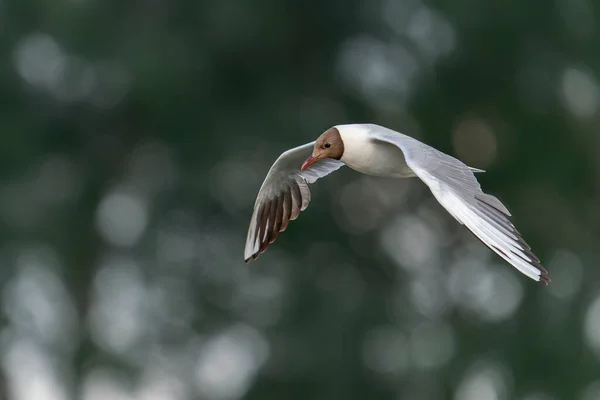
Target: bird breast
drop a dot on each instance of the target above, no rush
(373, 157)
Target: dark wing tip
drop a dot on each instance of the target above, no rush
(492, 208)
(274, 215)
(544, 278)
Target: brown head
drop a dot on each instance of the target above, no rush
(328, 145)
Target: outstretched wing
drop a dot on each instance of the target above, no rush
(454, 185)
(282, 196)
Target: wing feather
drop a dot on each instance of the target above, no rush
(282, 196)
(455, 187)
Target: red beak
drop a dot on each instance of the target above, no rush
(309, 161)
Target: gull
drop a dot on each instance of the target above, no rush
(375, 150)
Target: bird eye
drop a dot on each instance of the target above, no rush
(327, 145)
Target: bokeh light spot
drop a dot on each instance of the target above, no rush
(31, 373)
(122, 218)
(229, 362)
(580, 92)
(432, 344)
(591, 325)
(386, 351)
(410, 242)
(119, 308)
(490, 292)
(483, 381)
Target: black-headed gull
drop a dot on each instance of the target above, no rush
(375, 150)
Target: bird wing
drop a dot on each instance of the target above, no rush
(455, 187)
(282, 196)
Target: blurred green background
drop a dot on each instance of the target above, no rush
(135, 136)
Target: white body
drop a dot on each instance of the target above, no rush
(364, 154)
